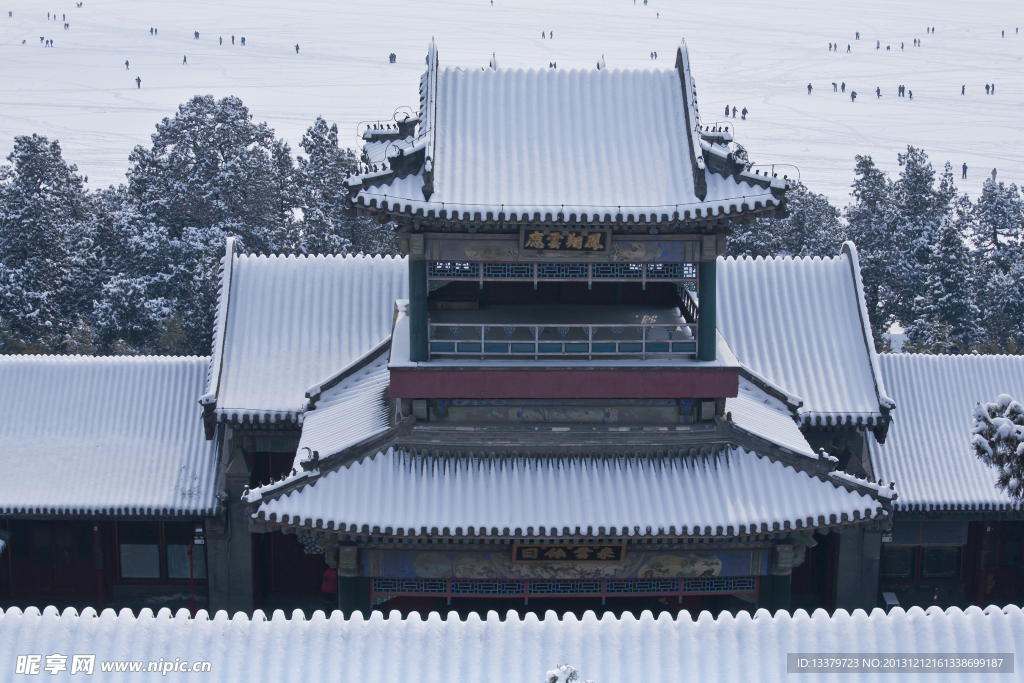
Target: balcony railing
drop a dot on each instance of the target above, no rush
(605, 340)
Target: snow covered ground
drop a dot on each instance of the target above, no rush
(760, 55)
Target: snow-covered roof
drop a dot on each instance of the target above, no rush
(733, 493)
(506, 648)
(928, 449)
(801, 323)
(113, 436)
(286, 323)
(754, 411)
(592, 143)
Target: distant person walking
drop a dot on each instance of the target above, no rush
(835, 88)
(744, 114)
(296, 48)
(911, 94)
(878, 91)
(986, 88)
(727, 110)
(964, 176)
(243, 41)
(993, 89)
(138, 83)
(220, 40)
(853, 95)
(808, 88)
(232, 40)
(963, 89)
(126, 65)
(184, 59)
(843, 87)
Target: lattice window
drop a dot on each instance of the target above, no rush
(720, 584)
(508, 271)
(618, 271)
(562, 271)
(409, 586)
(484, 587)
(565, 587)
(671, 271)
(642, 586)
(453, 269)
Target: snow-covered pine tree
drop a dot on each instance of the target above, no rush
(323, 197)
(211, 172)
(42, 211)
(999, 242)
(997, 434)
(919, 208)
(945, 313)
(812, 228)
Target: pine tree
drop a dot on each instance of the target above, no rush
(999, 242)
(42, 211)
(812, 228)
(946, 314)
(998, 439)
(323, 196)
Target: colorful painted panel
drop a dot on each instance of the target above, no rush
(683, 563)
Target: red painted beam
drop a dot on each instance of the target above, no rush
(564, 383)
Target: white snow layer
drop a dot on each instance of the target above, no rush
(737, 493)
(510, 650)
(800, 323)
(113, 435)
(753, 54)
(585, 142)
(928, 449)
(290, 322)
(756, 412)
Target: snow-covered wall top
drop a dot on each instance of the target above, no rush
(585, 142)
(113, 436)
(509, 650)
(928, 449)
(798, 323)
(736, 493)
(290, 322)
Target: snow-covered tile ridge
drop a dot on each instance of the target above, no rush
(850, 250)
(223, 297)
(104, 435)
(800, 324)
(928, 449)
(289, 322)
(880, 489)
(736, 493)
(384, 648)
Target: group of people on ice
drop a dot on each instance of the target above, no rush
(734, 111)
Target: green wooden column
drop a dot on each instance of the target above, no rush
(706, 319)
(418, 350)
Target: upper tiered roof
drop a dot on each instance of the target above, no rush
(578, 146)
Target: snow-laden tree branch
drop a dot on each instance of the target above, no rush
(998, 438)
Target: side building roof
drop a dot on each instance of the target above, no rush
(104, 436)
(509, 648)
(928, 451)
(287, 323)
(514, 144)
(801, 324)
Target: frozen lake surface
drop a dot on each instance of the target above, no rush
(759, 55)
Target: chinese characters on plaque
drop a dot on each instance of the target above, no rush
(581, 241)
(568, 553)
